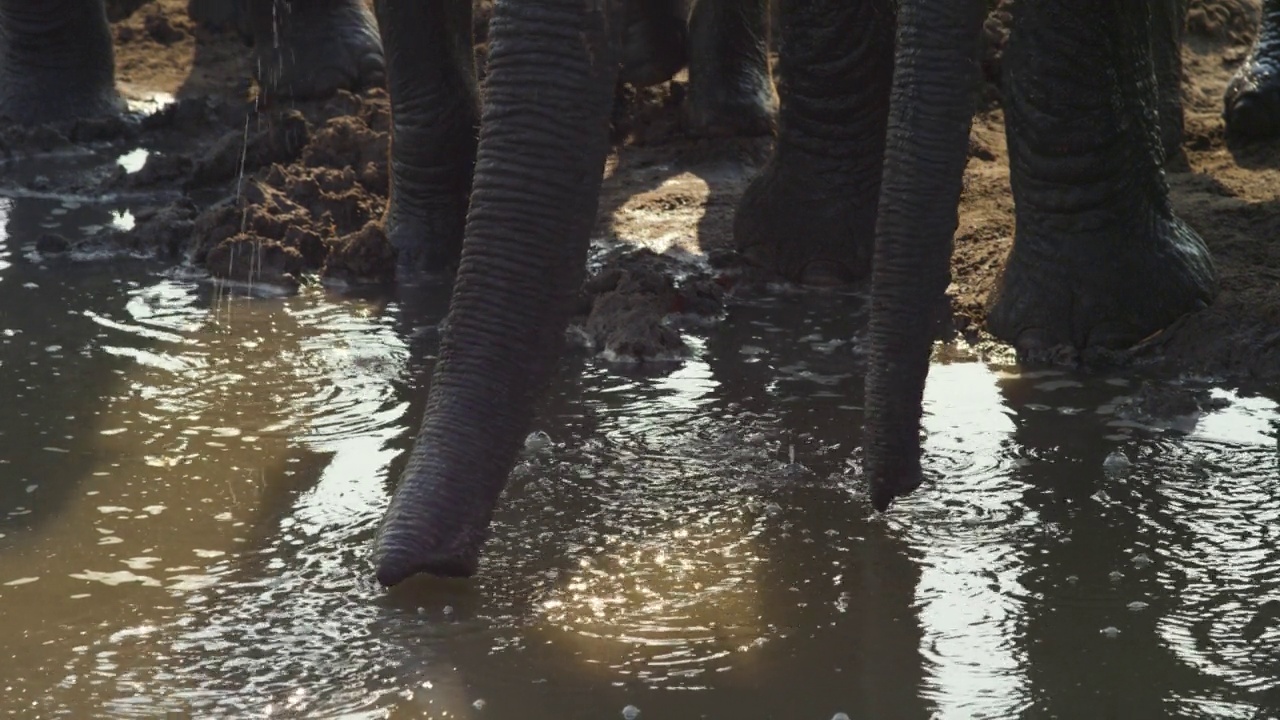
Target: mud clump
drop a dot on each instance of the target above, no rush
(632, 310)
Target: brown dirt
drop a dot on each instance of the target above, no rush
(315, 185)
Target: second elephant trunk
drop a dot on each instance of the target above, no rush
(931, 109)
(539, 166)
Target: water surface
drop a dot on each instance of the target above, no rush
(190, 477)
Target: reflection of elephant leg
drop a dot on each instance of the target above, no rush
(311, 48)
(811, 213)
(1099, 259)
(730, 85)
(435, 111)
(1252, 101)
(56, 61)
(1061, 641)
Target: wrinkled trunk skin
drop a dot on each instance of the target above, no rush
(1251, 104)
(435, 110)
(56, 61)
(730, 85)
(931, 109)
(543, 141)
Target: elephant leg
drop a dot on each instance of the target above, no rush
(655, 41)
(935, 82)
(730, 85)
(431, 76)
(811, 213)
(56, 61)
(1252, 101)
(312, 48)
(544, 135)
(1099, 259)
(1168, 21)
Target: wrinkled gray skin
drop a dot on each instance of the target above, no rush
(865, 178)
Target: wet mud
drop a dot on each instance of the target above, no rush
(295, 194)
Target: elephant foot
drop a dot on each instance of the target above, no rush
(1251, 104)
(808, 219)
(1103, 296)
(37, 98)
(427, 238)
(56, 63)
(654, 46)
(313, 49)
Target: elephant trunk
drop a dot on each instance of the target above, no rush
(931, 109)
(543, 141)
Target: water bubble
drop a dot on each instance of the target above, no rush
(840, 716)
(1138, 605)
(1141, 560)
(537, 441)
(478, 704)
(1115, 576)
(1116, 463)
(630, 712)
(448, 609)
(1073, 579)
(1110, 632)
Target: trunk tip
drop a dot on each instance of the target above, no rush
(886, 489)
(393, 568)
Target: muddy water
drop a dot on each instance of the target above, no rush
(190, 477)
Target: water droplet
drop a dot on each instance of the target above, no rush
(1138, 605)
(1110, 632)
(1117, 462)
(537, 441)
(630, 712)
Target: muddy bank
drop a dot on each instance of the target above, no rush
(290, 194)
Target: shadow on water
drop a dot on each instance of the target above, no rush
(49, 369)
